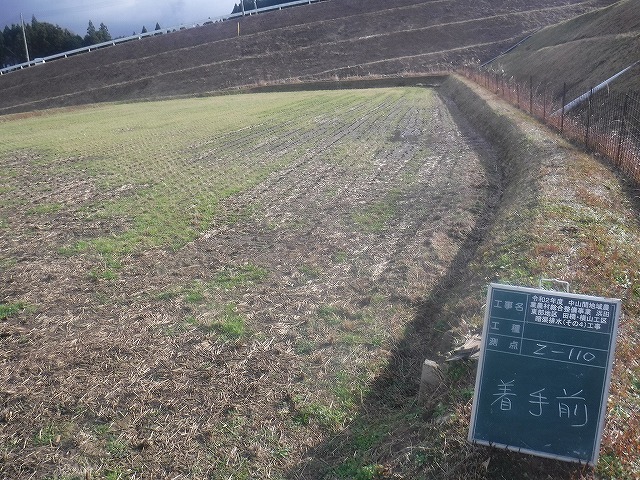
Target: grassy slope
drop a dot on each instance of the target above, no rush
(563, 215)
(583, 51)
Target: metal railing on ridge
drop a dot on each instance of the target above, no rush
(140, 36)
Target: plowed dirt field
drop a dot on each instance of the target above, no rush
(208, 288)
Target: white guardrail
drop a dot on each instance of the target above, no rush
(140, 36)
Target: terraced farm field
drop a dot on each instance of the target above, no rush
(207, 288)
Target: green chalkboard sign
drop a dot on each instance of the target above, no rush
(544, 371)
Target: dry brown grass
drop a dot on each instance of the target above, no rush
(582, 226)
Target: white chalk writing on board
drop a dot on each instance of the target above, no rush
(572, 407)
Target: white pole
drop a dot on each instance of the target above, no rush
(573, 103)
(24, 36)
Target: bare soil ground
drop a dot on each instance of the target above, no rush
(234, 355)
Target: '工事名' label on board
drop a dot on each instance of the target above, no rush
(544, 372)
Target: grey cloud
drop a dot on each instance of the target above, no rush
(122, 17)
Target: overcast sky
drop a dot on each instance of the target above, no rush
(122, 17)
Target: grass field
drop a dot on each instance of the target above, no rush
(246, 287)
(207, 287)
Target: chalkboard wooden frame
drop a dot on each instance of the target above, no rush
(544, 372)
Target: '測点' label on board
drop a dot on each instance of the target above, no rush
(544, 371)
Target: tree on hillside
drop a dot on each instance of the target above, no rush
(46, 39)
(43, 38)
(158, 26)
(13, 51)
(94, 36)
(2, 54)
(248, 5)
(103, 33)
(144, 29)
(91, 38)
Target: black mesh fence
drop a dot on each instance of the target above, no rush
(603, 121)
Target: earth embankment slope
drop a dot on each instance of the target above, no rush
(583, 52)
(563, 214)
(331, 38)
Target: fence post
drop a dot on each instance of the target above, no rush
(586, 135)
(564, 96)
(531, 94)
(622, 127)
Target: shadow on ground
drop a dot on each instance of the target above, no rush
(393, 435)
